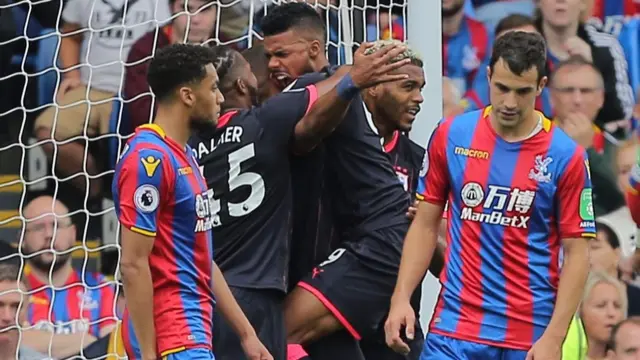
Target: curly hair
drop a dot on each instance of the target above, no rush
(177, 65)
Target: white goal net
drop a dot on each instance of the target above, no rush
(73, 310)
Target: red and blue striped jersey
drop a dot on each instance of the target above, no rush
(509, 206)
(84, 303)
(160, 192)
(465, 57)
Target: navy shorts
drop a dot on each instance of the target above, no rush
(356, 282)
(265, 310)
(440, 347)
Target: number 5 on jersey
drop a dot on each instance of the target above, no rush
(236, 180)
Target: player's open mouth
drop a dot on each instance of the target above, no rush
(281, 78)
(414, 110)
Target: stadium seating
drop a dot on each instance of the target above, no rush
(32, 28)
(630, 40)
(44, 62)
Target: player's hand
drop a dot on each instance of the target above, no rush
(401, 315)
(375, 68)
(413, 209)
(67, 84)
(546, 348)
(580, 128)
(577, 46)
(254, 349)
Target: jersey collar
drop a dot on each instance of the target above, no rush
(388, 147)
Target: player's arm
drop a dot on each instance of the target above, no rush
(421, 240)
(576, 224)
(141, 181)
(229, 308)
(136, 278)
(328, 111)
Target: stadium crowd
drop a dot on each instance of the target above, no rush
(104, 53)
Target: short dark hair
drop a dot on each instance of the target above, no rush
(575, 60)
(176, 65)
(225, 60)
(282, 18)
(611, 345)
(612, 238)
(513, 21)
(10, 272)
(521, 51)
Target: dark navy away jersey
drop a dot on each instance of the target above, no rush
(246, 163)
(365, 192)
(406, 158)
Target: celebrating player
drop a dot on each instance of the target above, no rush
(166, 214)
(406, 159)
(251, 225)
(518, 190)
(347, 296)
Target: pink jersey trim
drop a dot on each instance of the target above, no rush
(343, 320)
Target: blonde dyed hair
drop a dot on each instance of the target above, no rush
(409, 53)
(599, 277)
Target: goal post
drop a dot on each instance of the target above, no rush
(425, 36)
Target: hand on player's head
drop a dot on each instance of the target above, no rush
(375, 63)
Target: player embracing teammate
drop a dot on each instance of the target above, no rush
(518, 190)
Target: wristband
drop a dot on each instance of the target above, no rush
(346, 88)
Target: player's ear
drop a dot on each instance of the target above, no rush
(315, 49)
(541, 85)
(489, 74)
(374, 91)
(187, 96)
(241, 87)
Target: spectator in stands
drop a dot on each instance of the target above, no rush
(81, 302)
(384, 25)
(603, 305)
(451, 98)
(560, 24)
(577, 94)
(515, 22)
(605, 8)
(466, 48)
(626, 154)
(611, 245)
(194, 26)
(13, 300)
(625, 340)
(96, 39)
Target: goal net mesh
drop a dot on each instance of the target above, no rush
(30, 84)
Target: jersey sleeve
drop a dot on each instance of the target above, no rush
(143, 181)
(75, 12)
(433, 184)
(574, 198)
(281, 113)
